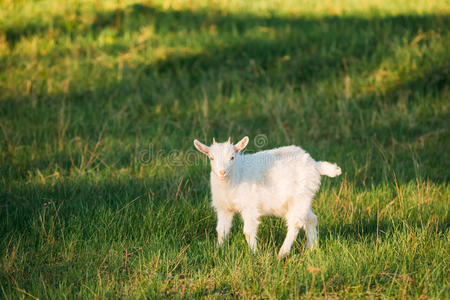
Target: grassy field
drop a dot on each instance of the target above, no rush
(101, 191)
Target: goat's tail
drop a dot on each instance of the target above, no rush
(328, 169)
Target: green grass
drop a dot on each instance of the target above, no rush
(102, 195)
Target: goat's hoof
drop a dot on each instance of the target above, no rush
(282, 253)
(312, 246)
(253, 249)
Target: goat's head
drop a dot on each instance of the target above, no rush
(222, 155)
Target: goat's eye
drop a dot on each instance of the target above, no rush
(232, 158)
(211, 158)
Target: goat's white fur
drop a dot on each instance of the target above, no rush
(279, 182)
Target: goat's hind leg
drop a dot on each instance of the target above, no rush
(293, 225)
(299, 215)
(311, 230)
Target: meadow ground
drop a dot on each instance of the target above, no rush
(102, 194)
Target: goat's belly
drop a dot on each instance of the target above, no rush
(272, 211)
(272, 205)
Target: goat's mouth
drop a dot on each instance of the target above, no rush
(222, 176)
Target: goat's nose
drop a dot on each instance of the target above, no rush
(222, 172)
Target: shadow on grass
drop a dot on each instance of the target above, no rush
(371, 229)
(111, 210)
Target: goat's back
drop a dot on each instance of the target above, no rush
(280, 169)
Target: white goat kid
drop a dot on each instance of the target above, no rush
(279, 182)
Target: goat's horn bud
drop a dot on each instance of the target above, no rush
(214, 140)
(229, 139)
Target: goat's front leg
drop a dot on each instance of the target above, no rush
(251, 222)
(224, 222)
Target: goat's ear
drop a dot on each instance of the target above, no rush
(201, 147)
(241, 144)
